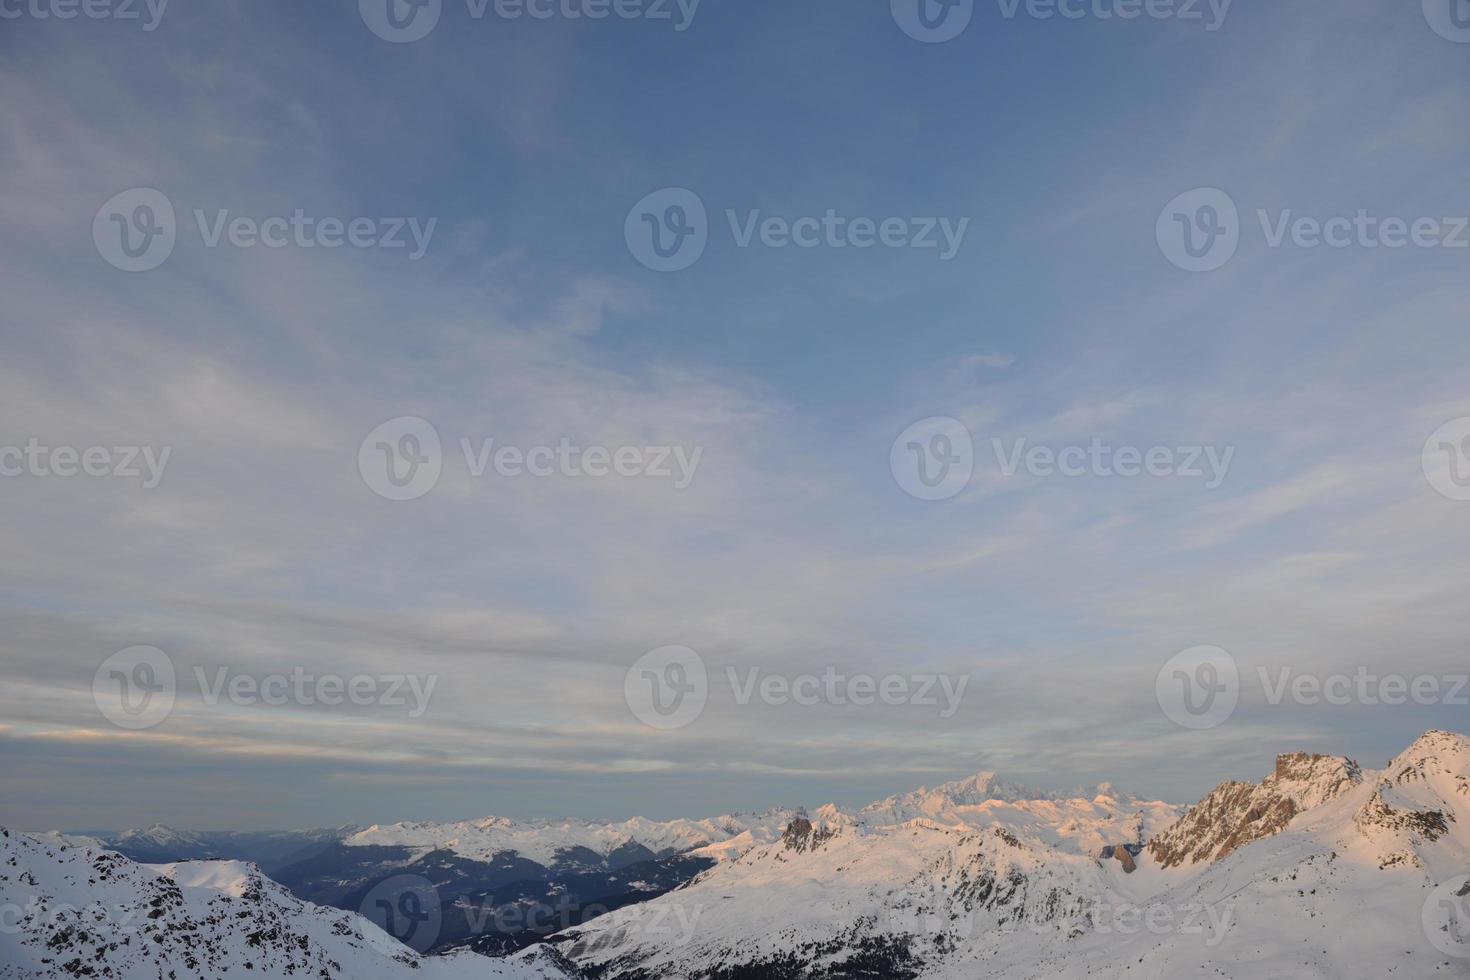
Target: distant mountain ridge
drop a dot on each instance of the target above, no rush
(1322, 870)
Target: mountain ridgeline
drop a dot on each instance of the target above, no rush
(1321, 869)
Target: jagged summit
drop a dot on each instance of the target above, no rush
(1235, 813)
(1327, 874)
(972, 791)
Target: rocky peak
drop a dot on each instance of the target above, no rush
(1419, 797)
(1235, 813)
(800, 836)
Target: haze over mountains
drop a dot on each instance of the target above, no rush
(1322, 869)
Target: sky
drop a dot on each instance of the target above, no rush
(1306, 512)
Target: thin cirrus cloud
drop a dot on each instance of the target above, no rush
(794, 549)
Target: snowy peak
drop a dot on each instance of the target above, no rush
(548, 842)
(81, 911)
(1421, 799)
(1236, 813)
(160, 836)
(947, 801)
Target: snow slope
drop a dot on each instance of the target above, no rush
(71, 909)
(1329, 872)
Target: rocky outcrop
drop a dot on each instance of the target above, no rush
(1417, 796)
(1124, 854)
(801, 836)
(1236, 813)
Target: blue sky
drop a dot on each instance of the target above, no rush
(528, 319)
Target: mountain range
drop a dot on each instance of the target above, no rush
(1322, 869)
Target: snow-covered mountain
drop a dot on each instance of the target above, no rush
(493, 876)
(271, 850)
(73, 909)
(551, 843)
(1321, 870)
(1236, 813)
(1079, 822)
